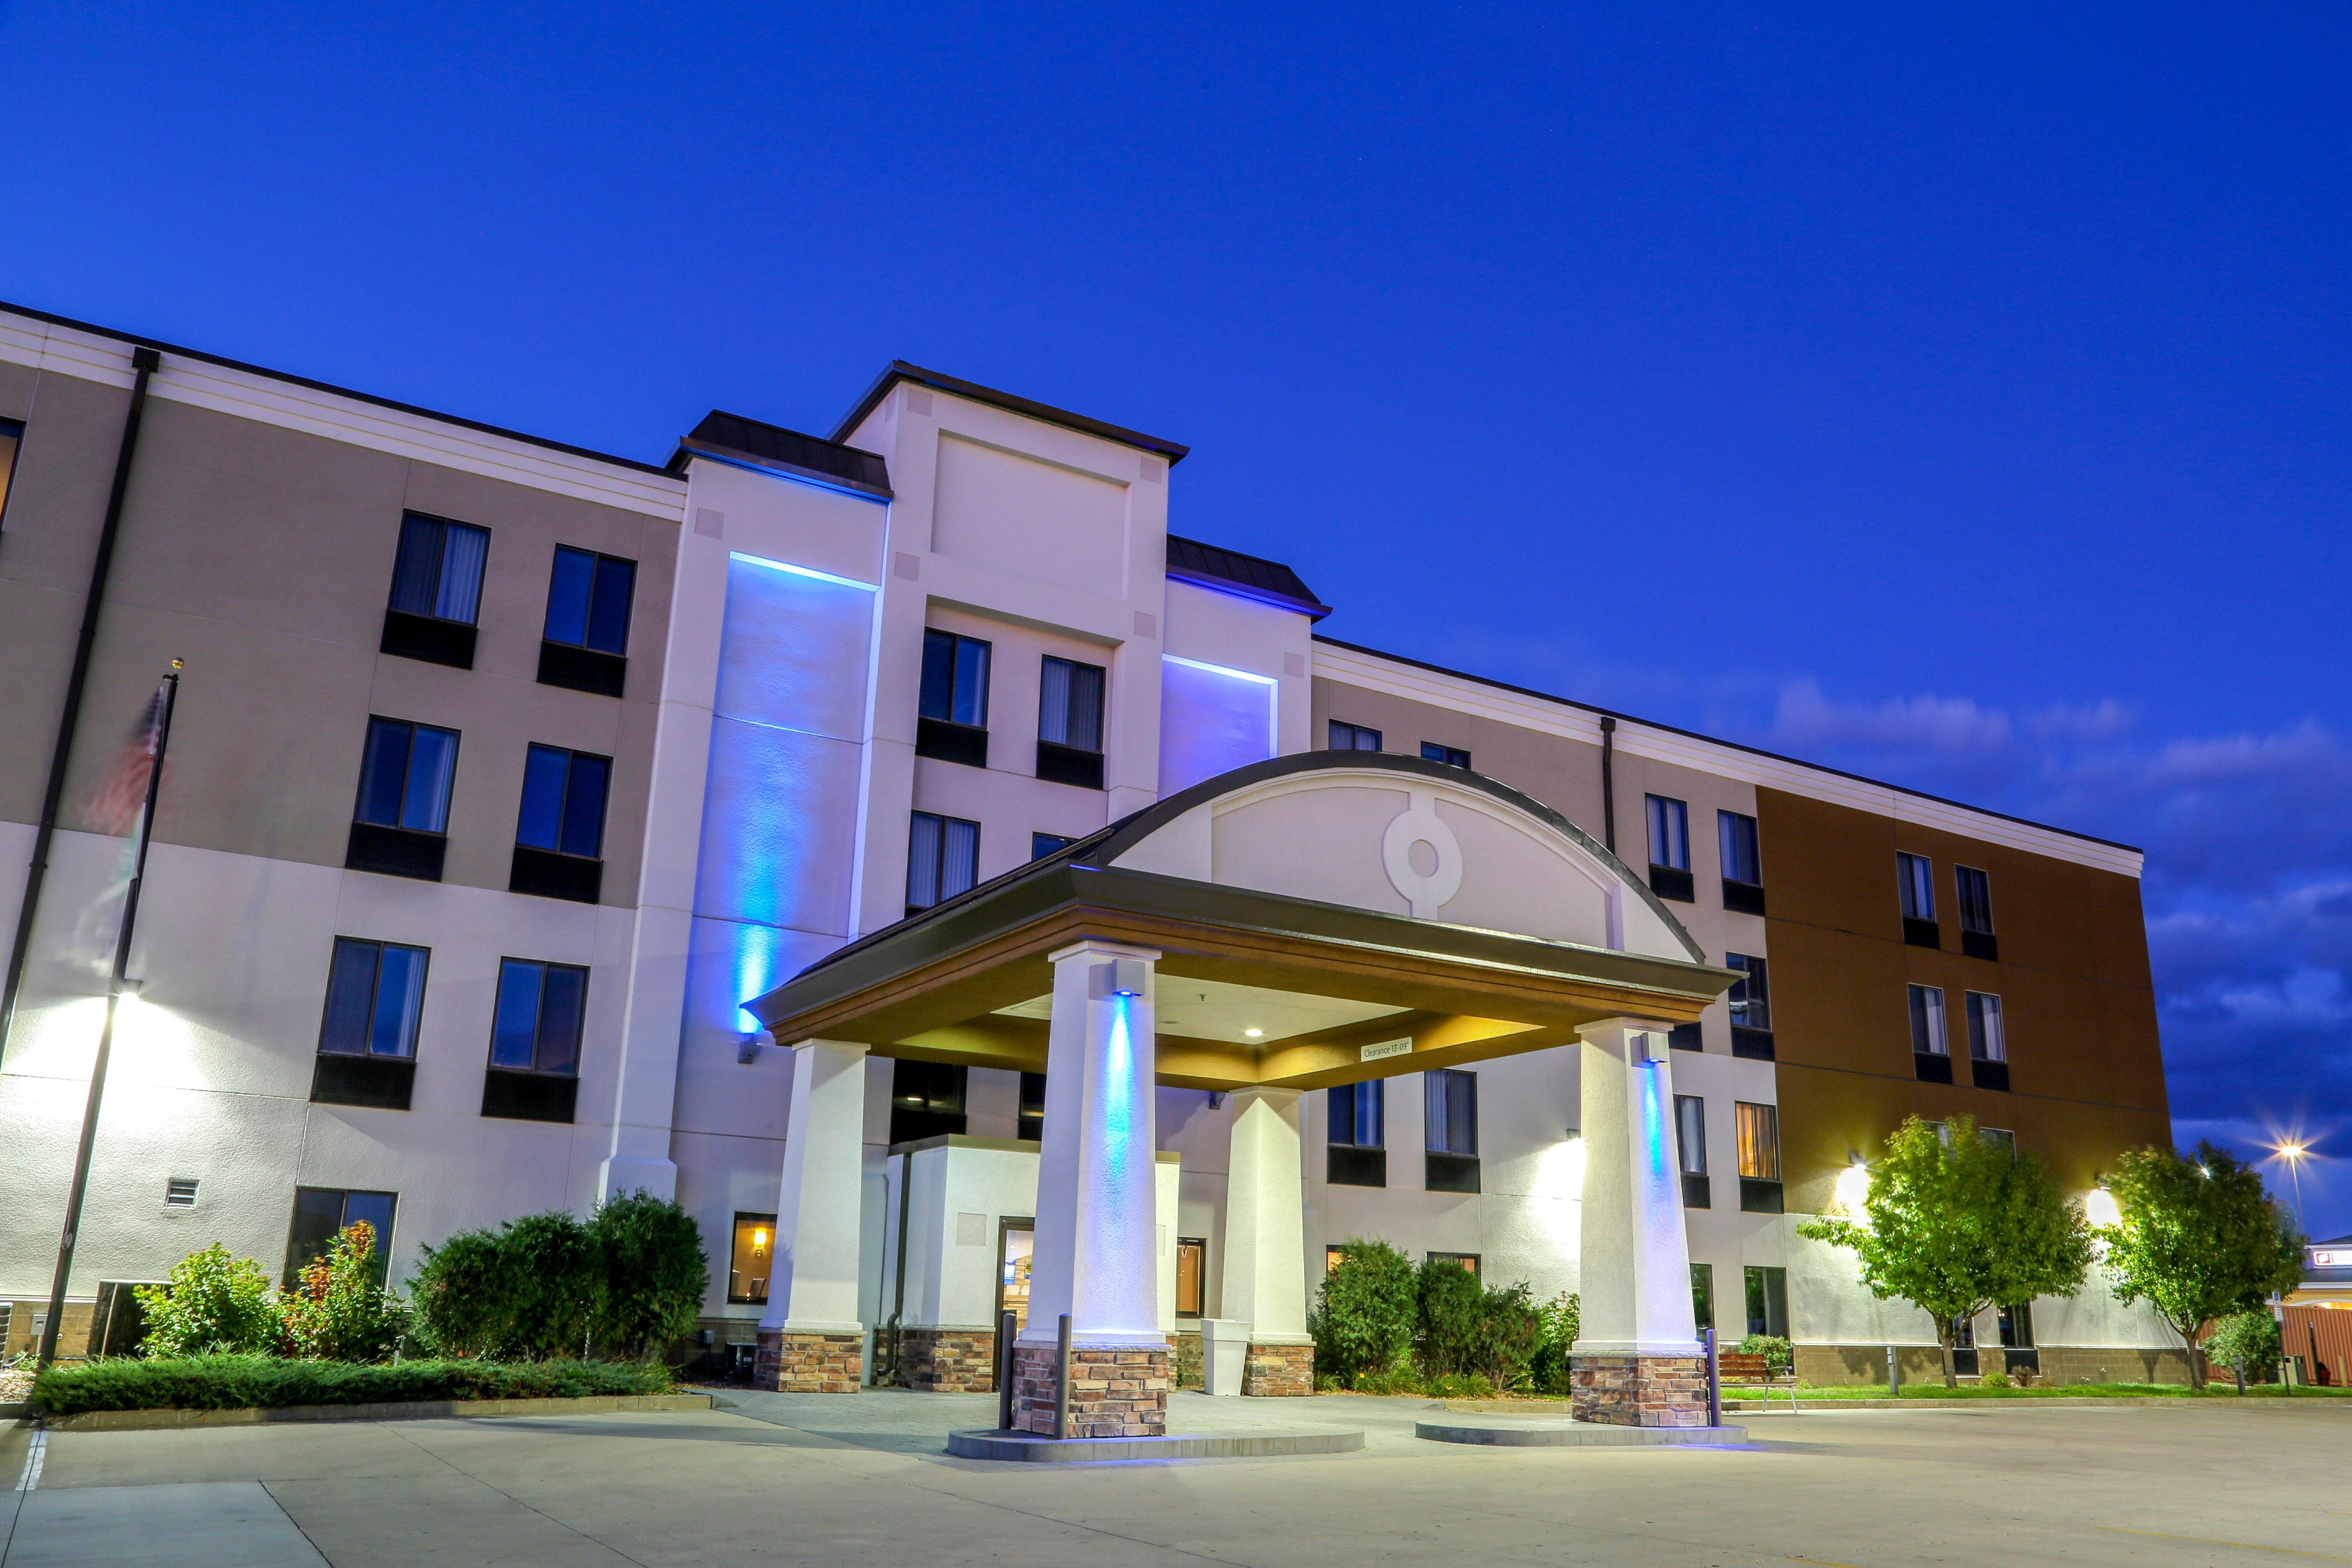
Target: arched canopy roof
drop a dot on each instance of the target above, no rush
(1307, 907)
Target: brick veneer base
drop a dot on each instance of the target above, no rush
(1279, 1370)
(947, 1361)
(809, 1364)
(1113, 1392)
(1639, 1391)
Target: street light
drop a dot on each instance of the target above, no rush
(2294, 1152)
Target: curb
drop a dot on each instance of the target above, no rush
(416, 1410)
(1024, 1446)
(1574, 1435)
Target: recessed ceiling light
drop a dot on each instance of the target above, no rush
(1253, 1034)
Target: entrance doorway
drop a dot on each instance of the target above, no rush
(1015, 1244)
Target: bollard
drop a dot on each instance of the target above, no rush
(1894, 1376)
(1062, 1381)
(1004, 1331)
(1714, 1382)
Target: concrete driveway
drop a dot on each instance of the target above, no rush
(852, 1480)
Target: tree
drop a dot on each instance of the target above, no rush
(1364, 1311)
(1956, 1224)
(215, 1304)
(2245, 1342)
(2198, 1237)
(337, 1311)
(656, 1274)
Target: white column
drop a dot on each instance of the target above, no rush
(1266, 1245)
(813, 1289)
(1635, 1286)
(1097, 1219)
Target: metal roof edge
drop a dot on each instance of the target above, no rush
(900, 370)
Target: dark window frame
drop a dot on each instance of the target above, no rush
(938, 871)
(300, 1250)
(1356, 735)
(1029, 1120)
(1065, 758)
(1198, 1246)
(539, 1036)
(597, 561)
(1044, 843)
(942, 735)
(1451, 756)
(12, 433)
(927, 1100)
(735, 1255)
(1767, 1299)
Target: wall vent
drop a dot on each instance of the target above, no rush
(180, 1192)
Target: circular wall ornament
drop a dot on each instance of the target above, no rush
(1421, 857)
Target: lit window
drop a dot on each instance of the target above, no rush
(942, 858)
(375, 995)
(1353, 738)
(588, 600)
(1927, 1036)
(1759, 1140)
(1986, 1042)
(1466, 1261)
(1915, 877)
(439, 574)
(1669, 833)
(1451, 756)
(754, 1257)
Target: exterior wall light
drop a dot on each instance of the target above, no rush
(1120, 977)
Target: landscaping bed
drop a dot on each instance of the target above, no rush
(256, 1382)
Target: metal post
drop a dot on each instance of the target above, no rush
(1004, 1332)
(1714, 1382)
(1894, 1374)
(1062, 1380)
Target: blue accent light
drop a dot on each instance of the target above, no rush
(1653, 1118)
(1212, 721)
(802, 570)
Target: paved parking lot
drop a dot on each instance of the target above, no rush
(860, 1481)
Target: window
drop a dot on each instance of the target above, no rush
(926, 1100)
(367, 1044)
(400, 824)
(1743, 866)
(1467, 1261)
(953, 718)
(1333, 1256)
(1070, 723)
(2017, 1326)
(1931, 1050)
(1768, 1302)
(1353, 738)
(1451, 756)
(1988, 1047)
(436, 591)
(322, 1214)
(942, 859)
(1670, 876)
(754, 1256)
(1690, 1149)
(534, 1073)
(1686, 1037)
(1760, 1157)
(1915, 879)
(1450, 1108)
(1976, 912)
(1356, 1155)
(1031, 1123)
(12, 438)
(1751, 1008)
(1192, 1276)
(1044, 843)
(560, 835)
(1703, 1295)
(180, 1192)
(2001, 1138)
(587, 636)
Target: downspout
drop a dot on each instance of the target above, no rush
(1609, 783)
(144, 362)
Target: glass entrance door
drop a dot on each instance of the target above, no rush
(1016, 1241)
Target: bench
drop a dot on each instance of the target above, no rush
(1735, 1367)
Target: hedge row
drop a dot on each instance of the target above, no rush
(246, 1382)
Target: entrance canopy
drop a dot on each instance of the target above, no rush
(1322, 919)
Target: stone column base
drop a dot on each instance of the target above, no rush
(808, 1364)
(1639, 1391)
(947, 1361)
(1113, 1392)
(1279, 1370)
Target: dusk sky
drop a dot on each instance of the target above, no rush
(1956, 399)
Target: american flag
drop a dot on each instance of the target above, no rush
(122, 794)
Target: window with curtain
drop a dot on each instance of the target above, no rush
(1452, 1109)
(1927, 1036)
(588, 600)
(1070, 704)
(1735, 835)
(541, 1010)
(1986, 1042)
(438, 571)
(405, 775)
(1352, 738)
(1690, 1133)
(1759, 1140)
(955, 679)
(563, 802)
(1356, 1114)
(1915, 879)
(1976, 899)
(1669, 833)
(942, 858)
(375, 995)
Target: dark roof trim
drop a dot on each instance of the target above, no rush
(730, 437)
(900, 370)
(326, 386)
(1247, 576)
(1104, 844)
(1719, 741)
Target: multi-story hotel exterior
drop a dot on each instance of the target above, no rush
(512, 786)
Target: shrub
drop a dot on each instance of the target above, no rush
(465, 1300)
(337, 1312)
(1448, 1337)
(1364, 1313)
(1511, 1330)
(214, 1304)
(1548, 1370)
(243, 1382)
(1994, 1380)
(2251, 1338)
(1777, 1353)
(656, 1274)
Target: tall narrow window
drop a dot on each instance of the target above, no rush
(1976, 912)
(1451, 756)
(753, 1259)
(1353, 738)
(1768, 1302)
(1669, 874)
(1192, 1275)
(1690, 1149)
(1031, 1122)
(1915, 882)
(534, 1072)
(927, 1100)
(400, 824)
(322, 1214)
(952, 723)
(1358, 1155)
(1931, 1048)
(587, 636)
(1743, 862)
(1988, 1046)
(1703, 1295)
(1449, 1112)
(560, 833)
(367, 1043)
(942, 858)
(1751, 1008)
(436, 591)
(12, 438)
(2001, 1138)
(1070, 723)
(1760, 1157)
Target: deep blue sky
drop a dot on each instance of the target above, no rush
(1957, 398)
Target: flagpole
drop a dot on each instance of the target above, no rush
(171, 692)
